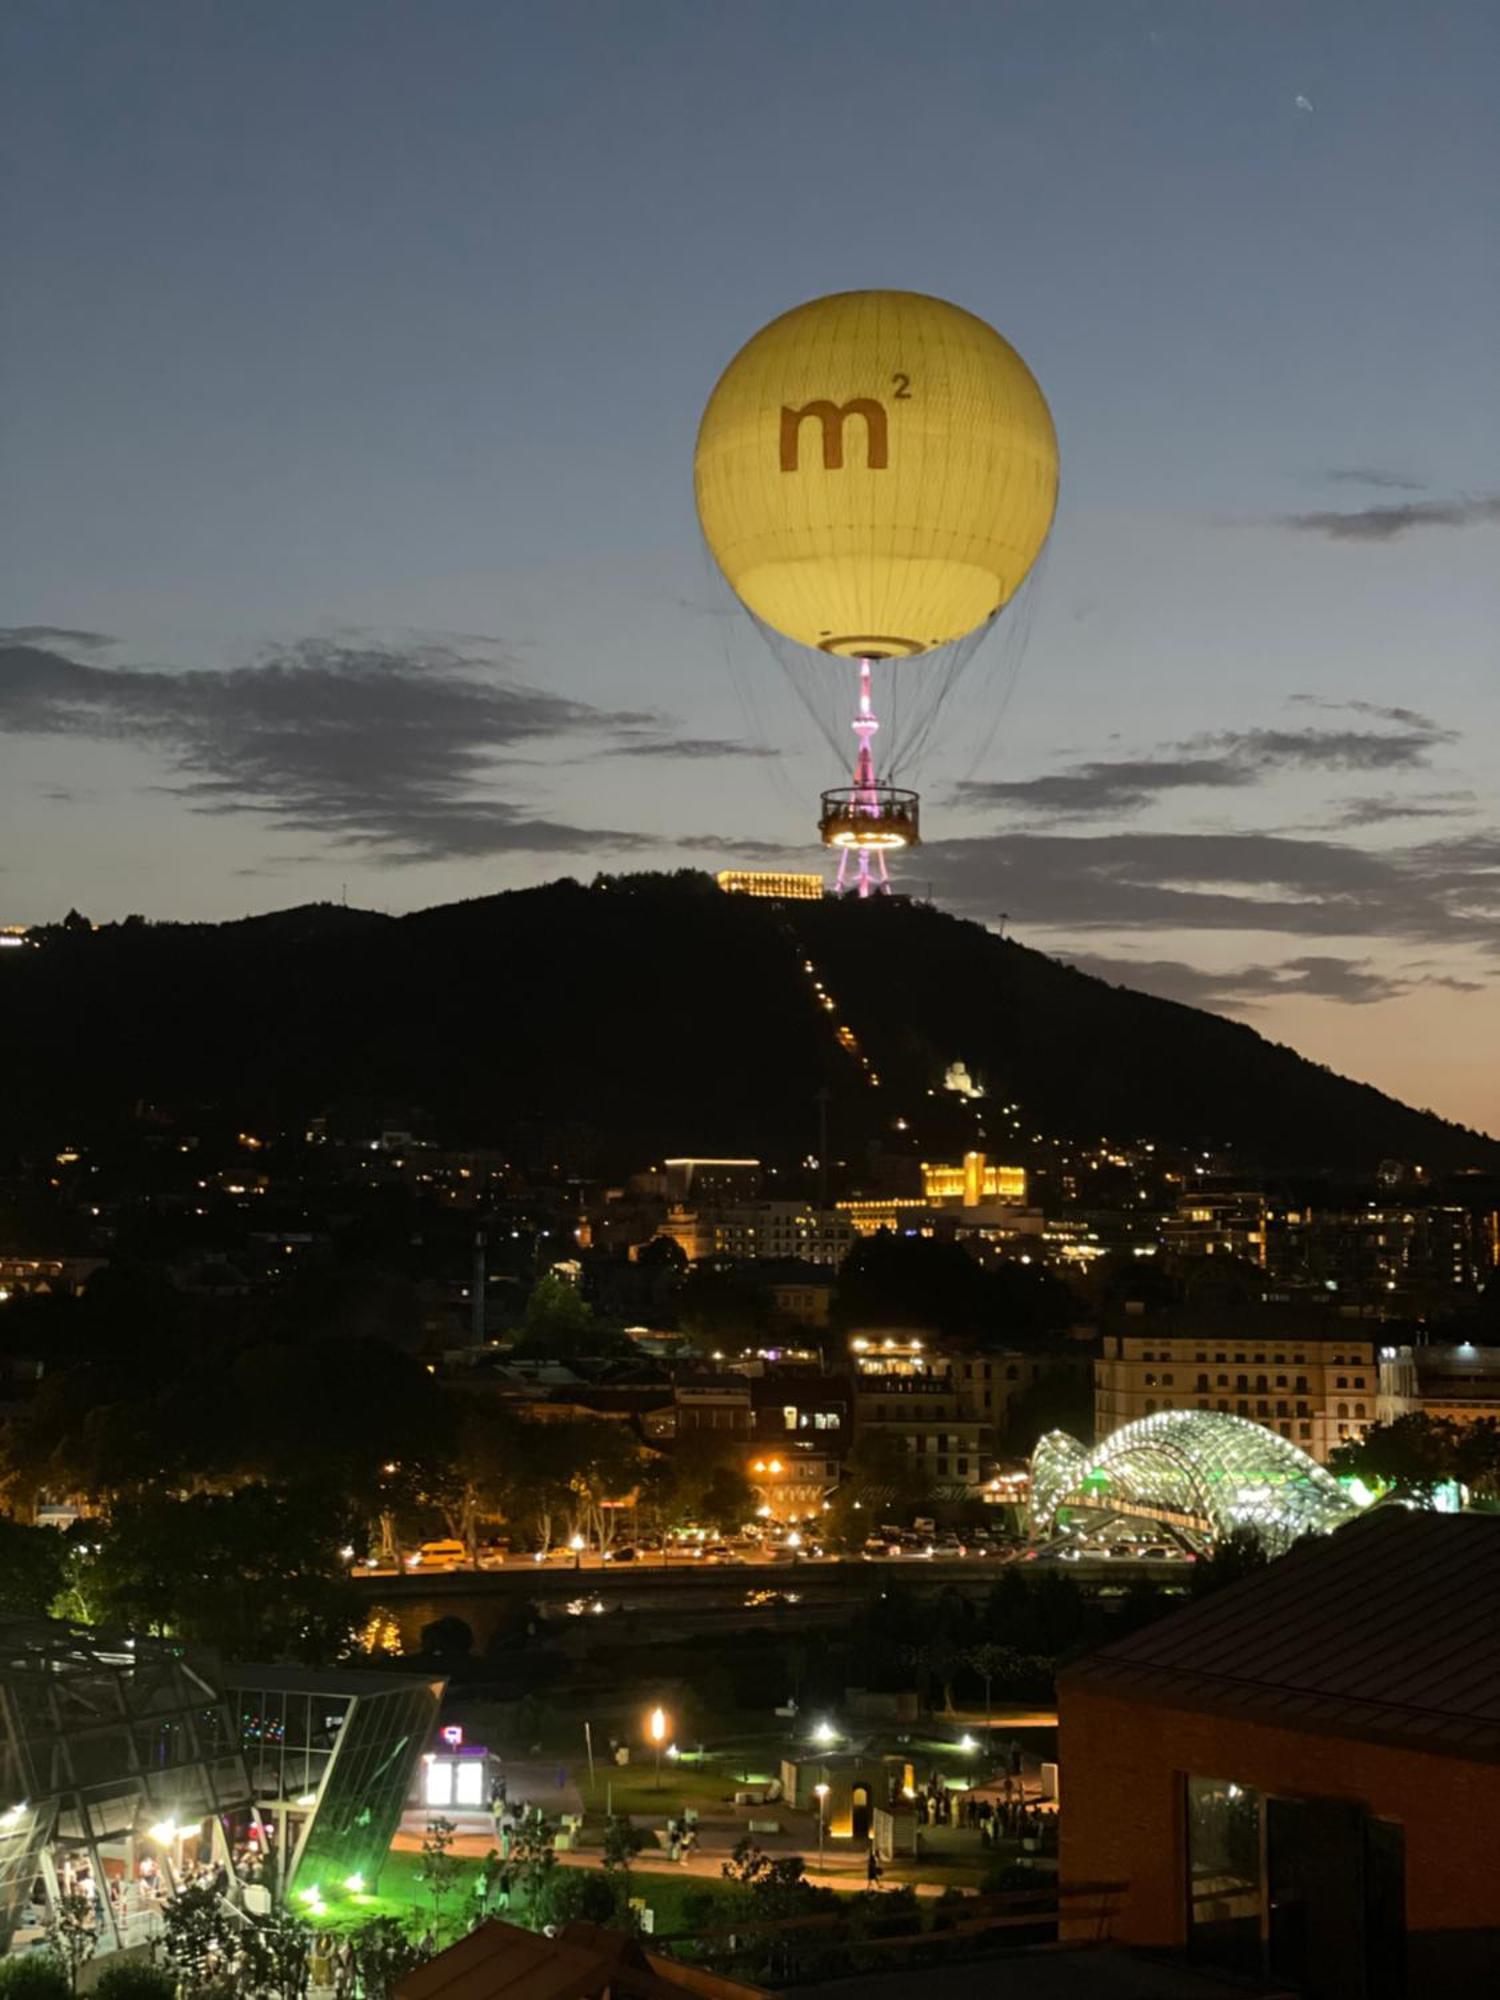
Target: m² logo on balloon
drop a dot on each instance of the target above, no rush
(832, 419)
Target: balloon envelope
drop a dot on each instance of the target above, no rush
(876, 472)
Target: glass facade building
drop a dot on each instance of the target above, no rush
(122, 1758)
(331, 1756)
(102, 1736)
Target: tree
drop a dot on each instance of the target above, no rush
(1061, 1399)
(727, 1501)
(991, 1662)
(32, 1564)
(73, 1935)
(193, 1937)
(575, 1895)
(253, 1573)
(723, 1307)
(890, 1280)
(1409, 1457)
(1235, 1556)
(440, 1867)
(532, 1860)
(559, 1321)
(675, 1484)
(41, 1977)
(882, 1474)
(933, 1659)
(622, 1843)
(132, 1979)
(383, 1953)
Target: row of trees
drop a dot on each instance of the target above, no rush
(1413, 1456)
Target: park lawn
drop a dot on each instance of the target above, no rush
(404, 1895)
(633, 1788)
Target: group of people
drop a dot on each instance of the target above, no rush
(682, 1836)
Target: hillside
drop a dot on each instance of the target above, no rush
(647, 1015)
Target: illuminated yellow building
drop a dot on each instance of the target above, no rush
(974, 1181)
(974, 1190)
(784, 887)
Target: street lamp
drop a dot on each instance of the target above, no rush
(821, 1792)
(576, 1544)
(656, 1729)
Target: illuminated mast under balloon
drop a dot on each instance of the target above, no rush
(865, 820)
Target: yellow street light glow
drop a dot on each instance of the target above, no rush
(820, 1791)
(657, 1727)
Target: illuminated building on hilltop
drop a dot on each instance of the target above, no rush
(973, 1182)
(975, 1197)
(780, 887)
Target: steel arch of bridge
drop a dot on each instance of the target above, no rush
(1210, 1471)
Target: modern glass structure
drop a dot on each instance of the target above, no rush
(1200, 1472)
(331, 1756)
(102, 1737)
(123, 1759)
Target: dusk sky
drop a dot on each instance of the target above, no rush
(351, 359)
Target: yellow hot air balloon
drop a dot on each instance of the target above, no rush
(876, 472)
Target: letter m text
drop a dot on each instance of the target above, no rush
(833, 417)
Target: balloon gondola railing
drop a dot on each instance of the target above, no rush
(878, 816)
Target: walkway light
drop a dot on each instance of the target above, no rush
(656, 1729)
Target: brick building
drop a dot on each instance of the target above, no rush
(1297, 1777)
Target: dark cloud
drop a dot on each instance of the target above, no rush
(691, 748)
(1349, 980)
(1229, 759)
(1380, 809)
(1382, 524)
(1411, 717)
(1438, 892)
(54, 635)
(1109, 785)
(389, 748)
(1366, 475)
(1265, 750)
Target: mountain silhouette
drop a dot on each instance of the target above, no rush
(645, 1015)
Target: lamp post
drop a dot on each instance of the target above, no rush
(576, 1544)
(822, 1797)
(656, 1728)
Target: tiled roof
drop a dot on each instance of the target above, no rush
(1388, 1630)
